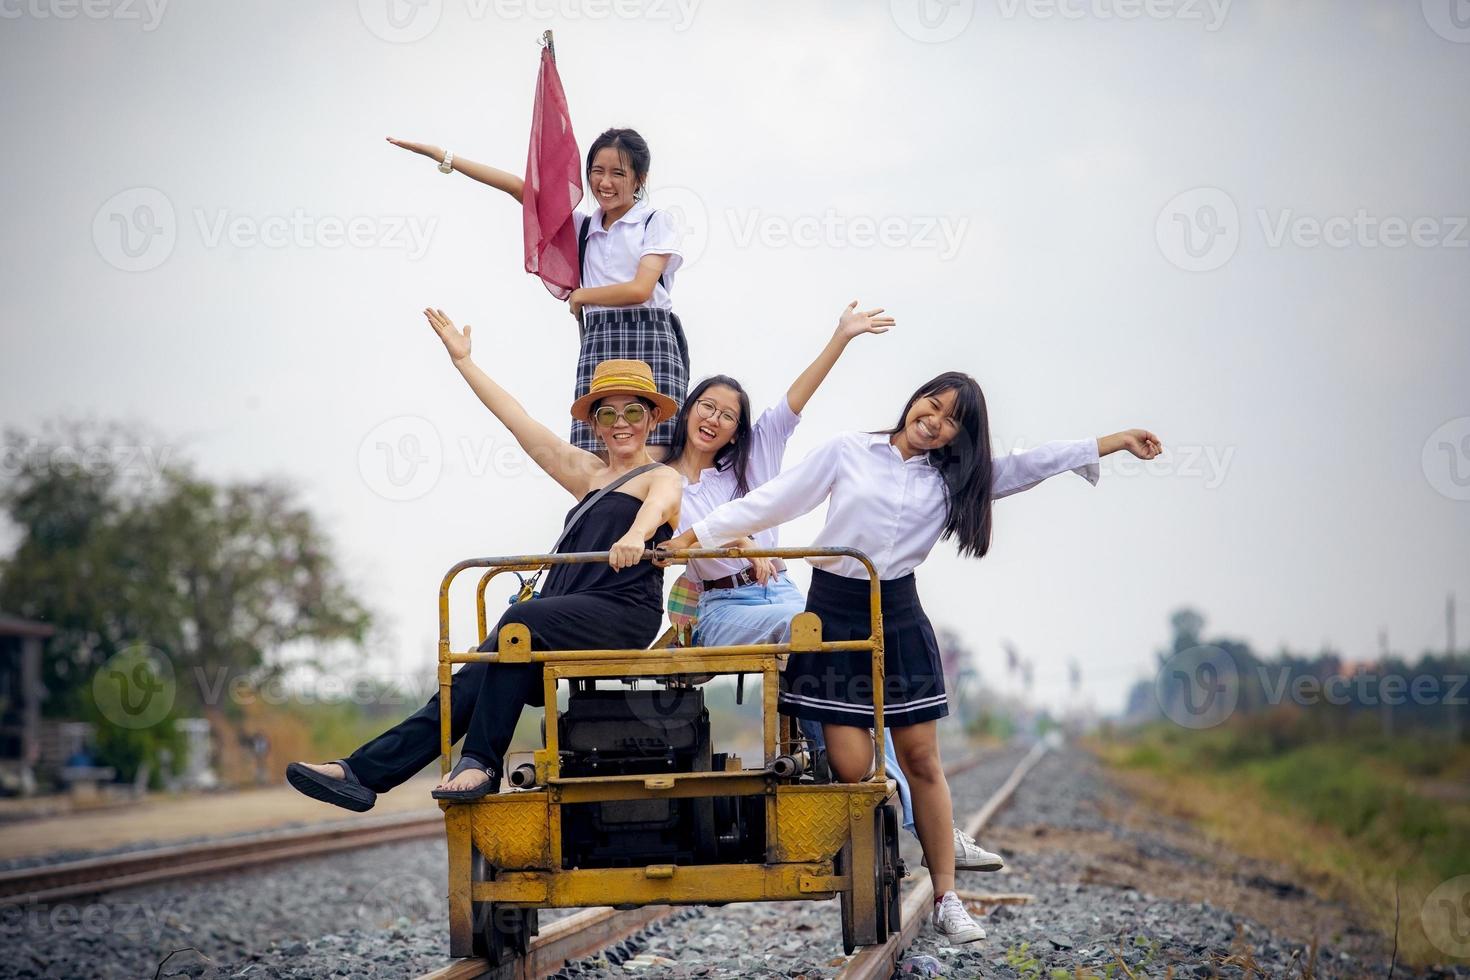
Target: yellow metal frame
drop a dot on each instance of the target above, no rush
(519, 833)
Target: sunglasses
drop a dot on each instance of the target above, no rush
(607, 416)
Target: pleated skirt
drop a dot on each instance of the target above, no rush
(837, 688)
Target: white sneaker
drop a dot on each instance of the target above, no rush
(970, 856)
(953, 922)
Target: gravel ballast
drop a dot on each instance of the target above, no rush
(1103, 884)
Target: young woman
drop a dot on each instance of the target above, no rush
(893, 495)
(629, 256)
(618, 605)
(722, 457)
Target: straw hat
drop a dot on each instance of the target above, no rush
(623, 378)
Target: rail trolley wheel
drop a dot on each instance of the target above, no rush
(890, 881)
(501, 933)
(887, 880)
(849, 927)
(505, 933)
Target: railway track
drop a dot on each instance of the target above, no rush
(92, 876)
(881, 962)
(573, 938)
(592, 930)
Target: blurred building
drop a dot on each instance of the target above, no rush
(21, 642)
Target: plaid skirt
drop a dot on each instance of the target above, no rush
(638, 333)
(837, 688)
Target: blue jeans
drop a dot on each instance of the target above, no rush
(762, 614)
(753, 613)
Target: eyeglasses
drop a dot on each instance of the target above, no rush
(607, 416)
(709, 410)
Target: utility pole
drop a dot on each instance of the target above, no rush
(1451, 662)
(1385, 710)
(1449, 625)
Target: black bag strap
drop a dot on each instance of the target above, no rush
(587, 504)
(582, 248)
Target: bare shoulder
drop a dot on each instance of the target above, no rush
(642, 485)
(664, 478)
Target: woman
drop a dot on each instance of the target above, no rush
(629, 254)
(580, 606)
(893, 495)
(722, 457)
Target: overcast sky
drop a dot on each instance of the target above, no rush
(1241, 225)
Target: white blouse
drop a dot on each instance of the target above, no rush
(889, 508)
(613, 253)
(769, 436)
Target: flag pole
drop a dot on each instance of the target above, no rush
(549, 44)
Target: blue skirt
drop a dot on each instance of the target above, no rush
(837, 688)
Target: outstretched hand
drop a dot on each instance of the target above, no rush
(457, 343)
(853, 321)
(423, 149)
(1140, 442)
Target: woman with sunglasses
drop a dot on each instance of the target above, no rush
(581, 606)
(893, 495)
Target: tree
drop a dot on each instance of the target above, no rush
(113, 552)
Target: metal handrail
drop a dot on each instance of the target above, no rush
(519, 563)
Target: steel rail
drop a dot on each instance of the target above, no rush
(91, 876)
(881, 962)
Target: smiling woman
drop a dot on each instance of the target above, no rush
(628, 254)
(626, 505)
(893, 495)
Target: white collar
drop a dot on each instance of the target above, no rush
(637, 212)
(877, 438)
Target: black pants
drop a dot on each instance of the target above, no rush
(486, 699)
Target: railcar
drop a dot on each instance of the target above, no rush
(629, 803)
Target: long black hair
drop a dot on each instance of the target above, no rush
(733, 454)
(964, 463)
(632, 150)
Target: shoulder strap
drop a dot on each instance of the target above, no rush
(587, 504)
(582, 249)
(646, 220)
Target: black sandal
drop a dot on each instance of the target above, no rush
(346, 792)
(490, 786)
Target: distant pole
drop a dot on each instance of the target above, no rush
(1451, 662)
(1449, 625)
(550, 44)
(1385, 710)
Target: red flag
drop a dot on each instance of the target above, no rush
(553, 187)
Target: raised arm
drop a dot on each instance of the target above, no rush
(566, 464)
(1022, 471)
(850, 324)
(502, 180)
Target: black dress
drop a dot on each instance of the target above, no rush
(582, 606)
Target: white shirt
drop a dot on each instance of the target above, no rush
(889, 508)
(613, 253)
(769, 436)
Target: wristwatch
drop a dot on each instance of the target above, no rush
(446, 166)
